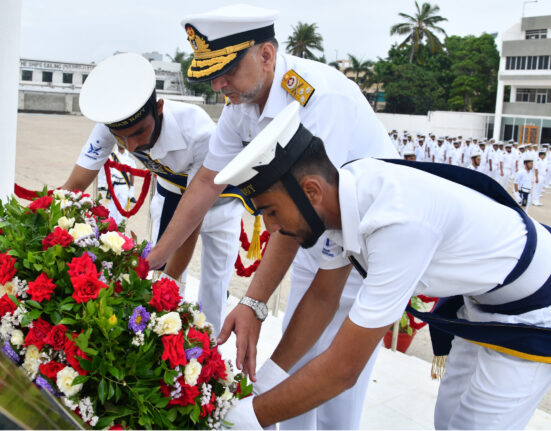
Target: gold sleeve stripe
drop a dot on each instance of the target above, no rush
(210, 70)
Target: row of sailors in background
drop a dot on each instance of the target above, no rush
(528, 166)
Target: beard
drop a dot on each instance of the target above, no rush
(248, 96)
(304, 236)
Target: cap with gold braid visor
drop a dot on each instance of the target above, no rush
(212, 59)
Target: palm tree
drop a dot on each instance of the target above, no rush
(303, 39)
(375, 77)
(359, 68)
(419, 27)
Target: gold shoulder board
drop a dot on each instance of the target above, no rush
(297, 87)
(227, 100)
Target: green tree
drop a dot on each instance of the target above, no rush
(360, 70)
(196, 89)
(474, 66)
(418, 27)
(304, 39)
(375, 77)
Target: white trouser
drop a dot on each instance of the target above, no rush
(536, 191)
(486, 389)
(123, 194)
(547, 180)
(220, 244)
(345, 410)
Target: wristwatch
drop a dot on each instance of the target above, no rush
(259, 307)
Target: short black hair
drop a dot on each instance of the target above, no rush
(314, 161)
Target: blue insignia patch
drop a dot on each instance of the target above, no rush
(94, 150)
(326, 248)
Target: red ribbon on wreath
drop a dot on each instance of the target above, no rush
(23, 193)
(146, 175)
(426, 299)
(241, 270)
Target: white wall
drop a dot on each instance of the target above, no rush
(10, 32)
(441, 123)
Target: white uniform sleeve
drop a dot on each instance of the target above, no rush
(225, 143)
(96, 151)
(332, 256)
(398, 256)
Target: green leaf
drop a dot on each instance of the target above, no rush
(171, 414)
(37, 266)
(33, 303)
(162, 403)
(66, 307)
(80, 379)
(105, 421)
(90, 307)
(195, 412)
(115, 372)
(67, 321)
(111, 392)
(102, 390)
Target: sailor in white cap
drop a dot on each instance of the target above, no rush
(540, 171)
(476, 247)
(234, 48)
(475, 159)
(409, 154)
(171, 140)
(523, 182)
(547, 179)
(508, 165)
(439, 152)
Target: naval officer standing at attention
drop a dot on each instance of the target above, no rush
(236, 50)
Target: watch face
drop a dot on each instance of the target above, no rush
(262, 310)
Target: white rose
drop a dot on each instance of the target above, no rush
(7, 288)
(17, 337)
(112, 241)
(66, 223)
(170, 323)
(199, 319)
(126, 278)
(65, 379)
(229, 373)
(192, 371)
(60, 194)
(227, 395)
(32, 360)
(80, 230)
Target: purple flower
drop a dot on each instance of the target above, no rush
(193, 353)
(200, 306)
(41, 382)
(97, 232)
(147, 250)
(92, 256)
(138, 320)
(10, 353)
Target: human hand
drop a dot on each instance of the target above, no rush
(156, 258)
(246, 326)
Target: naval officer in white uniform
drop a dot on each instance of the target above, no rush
(477, 247)
(234, 49)
(170, 139)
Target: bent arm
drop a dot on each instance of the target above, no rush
(324, 377)
(80, 178)
(194, 204)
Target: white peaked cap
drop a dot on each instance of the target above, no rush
(117, 88)
(261, 150)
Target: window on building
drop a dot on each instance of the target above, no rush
(533, 95)
(536, 34)
(26, 75)
(47, 76)
(541, 95)
(508, 62)
(84, 76)
(543, 62)
(160, 84)
(532, 62)
(67, 78)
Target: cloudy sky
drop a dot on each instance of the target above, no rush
(90, 30)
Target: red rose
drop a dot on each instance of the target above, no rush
(214, 367)
(118, 287)
(58, 236)
(202, 339)
(51, 369)
(100, 211)
(7, 268)
(86, 287)
(128, 242)
(142, 269)
(41, 288)
(187, 393)
(174, 349)
(41, 203)
(166, 295)
(38, 333)
(111, 224)
(73, 352)
(116, 427)
(56, 337)
(82, 265)
(6, 305)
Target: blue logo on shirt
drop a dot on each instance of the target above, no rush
(326, 248)
(94, 150)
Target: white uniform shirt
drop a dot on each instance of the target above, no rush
(524, 180)
(439, 153)
(182, 144)
(465, 245)
(337, 112)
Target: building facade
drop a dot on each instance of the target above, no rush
(54, 86)
(523, 102)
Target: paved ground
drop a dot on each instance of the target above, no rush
(47, 148)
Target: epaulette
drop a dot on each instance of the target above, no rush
(297, 87)
(227, 100)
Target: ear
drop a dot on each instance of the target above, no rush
(313, 189)
(267, 55)
(160, 104)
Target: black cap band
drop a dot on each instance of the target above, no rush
(138, 116)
